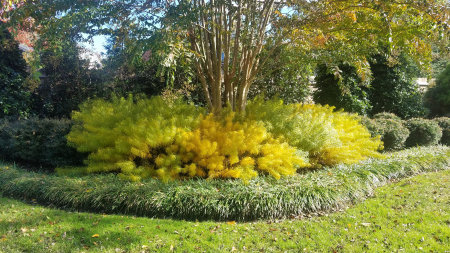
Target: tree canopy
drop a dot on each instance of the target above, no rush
(223, 42)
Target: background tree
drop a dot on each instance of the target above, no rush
(66, 81)
(283, 76)
(438, 96)
(127, 71)
(14, 95)
(343, 89)
(393, 88)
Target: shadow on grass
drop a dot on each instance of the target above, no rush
(54, 230)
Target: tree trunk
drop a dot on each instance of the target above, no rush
(227, 38)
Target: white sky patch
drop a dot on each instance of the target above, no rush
(97, 44)
(93, 50)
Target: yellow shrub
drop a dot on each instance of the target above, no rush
(231, 149)
(329, 137)
(355, 142)
(151, 138)
(308, 130)
(127, 136)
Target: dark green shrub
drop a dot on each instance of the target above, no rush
(386, 115)
(444, 123)
(369, 124)
(391, 129)
(39, 142)
(393, 133)
(423, 132)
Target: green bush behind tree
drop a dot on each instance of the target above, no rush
(438, 97)
(392, 88)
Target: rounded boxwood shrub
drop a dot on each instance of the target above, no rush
(423, 132)
(386, 115)
(444, 123)
(390, 128)
(369, 124)
(393, 133)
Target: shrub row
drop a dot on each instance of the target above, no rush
(38, 142)
(397, 134)
(260, 198)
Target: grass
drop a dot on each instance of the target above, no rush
(262, 198)
(411, 215)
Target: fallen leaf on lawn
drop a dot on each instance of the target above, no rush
(95, 236)
(231, 222)
(273, 229)
(366, 224)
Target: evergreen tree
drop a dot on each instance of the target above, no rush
(14, 96)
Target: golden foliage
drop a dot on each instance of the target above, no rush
(328, 136)
(231, 149)
(152, 138)
(355, 142)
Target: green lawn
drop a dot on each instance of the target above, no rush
(412, 215)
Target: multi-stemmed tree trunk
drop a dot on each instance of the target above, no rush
(227, 38)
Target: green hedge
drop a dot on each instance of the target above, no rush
(261, 198)
(38, 142)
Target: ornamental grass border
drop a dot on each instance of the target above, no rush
(200, 199)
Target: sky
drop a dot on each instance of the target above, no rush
(98, 44)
